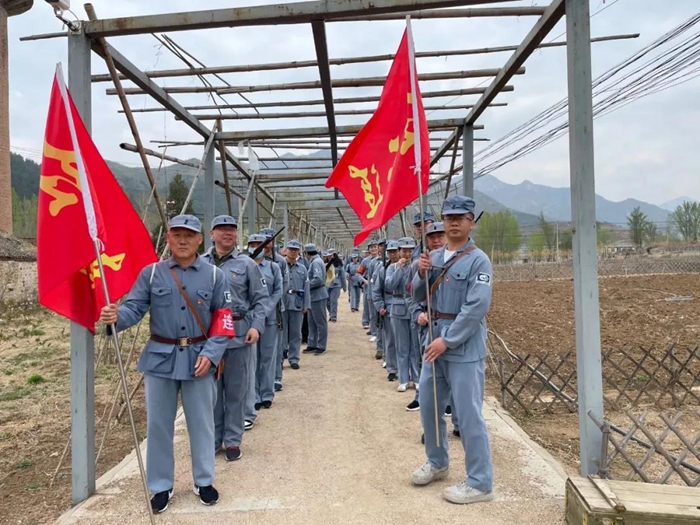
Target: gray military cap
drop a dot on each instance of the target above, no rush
(355, 255)
(381, 241)
(436, 227)
(256, 237)
(267, 232)
(223, 220)
(392, 245)
(427, 216)
(294, 245)
(310, 248)
(407, 242)
(331, 251)
(372, 243)
(189, 222)
(324, 253)
(458, 205)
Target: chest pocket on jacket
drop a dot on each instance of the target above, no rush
(237, 279)
(161, 297)
(204, 299)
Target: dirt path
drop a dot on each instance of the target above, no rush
(339, 447)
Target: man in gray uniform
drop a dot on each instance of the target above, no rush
(180, 357)
(418, 226)
(318, 322)
(274, 255)
(355, 282)
(398, 278)
(383, 301)
(375, 319)
(365, 266)
(339, 282)
(248, 302)
(460, 278)
(261, 380)
(297, 301)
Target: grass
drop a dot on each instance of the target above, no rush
(14, 394)
(35, 379)
(32, 486)
(26, 332)
(25, 463)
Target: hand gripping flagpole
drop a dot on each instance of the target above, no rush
(92, 228)
(419, 175)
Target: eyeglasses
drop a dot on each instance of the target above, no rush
(457, 218)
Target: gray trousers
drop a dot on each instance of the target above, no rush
(355, 292)
(373, 326)
(264, 381)
(466, 382)
(365, 307)
(198, 396)
(406, 353)
(388, 344)
(333, 297)
(318, 325)
(292, 335)
(281, 347)
(232, 392)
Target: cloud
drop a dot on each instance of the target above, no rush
(645, 150)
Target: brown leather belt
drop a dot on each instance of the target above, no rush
(181, 342)
(441, 315)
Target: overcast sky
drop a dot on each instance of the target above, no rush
(646, 150)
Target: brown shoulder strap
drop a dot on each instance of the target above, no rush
(449, 265)
(188, 301)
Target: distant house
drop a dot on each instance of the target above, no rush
(624, 247)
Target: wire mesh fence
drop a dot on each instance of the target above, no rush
(636, 265)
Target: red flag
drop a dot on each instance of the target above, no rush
(79, 201)
(377, 173)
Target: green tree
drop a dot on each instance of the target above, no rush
(499, 234)
(548, 234)
(24, 215)
(177, 195)
(641, 229)
(535, 245)
(604, 234)
(686, 218)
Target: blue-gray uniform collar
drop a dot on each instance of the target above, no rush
(470, 242)
(212, 253)
(197, 264)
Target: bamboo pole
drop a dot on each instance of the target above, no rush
(224, 168)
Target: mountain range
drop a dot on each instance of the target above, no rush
(524, 200)
(674, 203)
(555, 203)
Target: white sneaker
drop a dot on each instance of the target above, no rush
(373, 339)
(427, 474)
(402, 387)
(384, 364)
(463, 494)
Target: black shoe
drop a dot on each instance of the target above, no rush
(448, 411)
(267, 404)
(456, 433)
(309, 350)
(365, 327)
(285, 355)
(334, 320)
(369, 332)
(233, 453)
(378, 355)
(160, 501)
(391, 377)
(413, 406)
(320, 351)
(295, 366)
(422, 439)
(304, 341)
(258, 406)
(248, 424)
(207, 495)
(278, 386)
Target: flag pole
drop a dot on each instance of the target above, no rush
(419, 174)
(122, 374)
(92, 229)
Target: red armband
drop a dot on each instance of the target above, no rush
(222, 323)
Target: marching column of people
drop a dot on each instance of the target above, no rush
(222, 324)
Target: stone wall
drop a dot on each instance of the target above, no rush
(18, 283)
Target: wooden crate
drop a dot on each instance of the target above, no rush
(593, 501)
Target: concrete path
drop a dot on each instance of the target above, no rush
(338, 447)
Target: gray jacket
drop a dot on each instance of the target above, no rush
(317, 279)
(466, 292)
